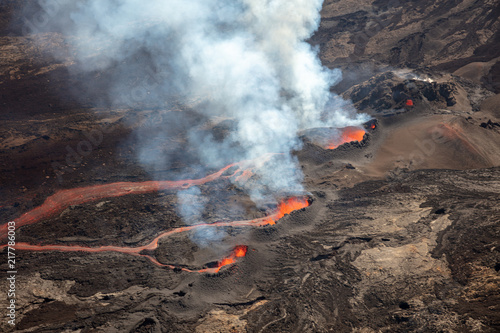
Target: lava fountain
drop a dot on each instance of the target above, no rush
(238, 252)
(286, 207)
(347, 134)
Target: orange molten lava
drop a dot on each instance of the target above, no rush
(238, 252)
(62, 199)
(285, 207)
(347, 134)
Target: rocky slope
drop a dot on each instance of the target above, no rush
(403, 233)
(441, 35)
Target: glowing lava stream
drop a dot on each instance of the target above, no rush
(64, 198)
(285, 207)
(348, 134)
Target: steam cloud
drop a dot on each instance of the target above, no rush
(247, 59)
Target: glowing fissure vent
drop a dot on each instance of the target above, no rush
(348, 134)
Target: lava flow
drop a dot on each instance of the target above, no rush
(62, 199)
(285, 207)
(347, 134)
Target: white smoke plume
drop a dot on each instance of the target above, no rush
(248, 58)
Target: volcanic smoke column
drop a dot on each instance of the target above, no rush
(246, 58)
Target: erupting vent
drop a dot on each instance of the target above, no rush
(238, 252)
(332, 138)
(348, 134)
(285, 207)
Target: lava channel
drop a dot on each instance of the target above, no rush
(285, 207)
(56, 203)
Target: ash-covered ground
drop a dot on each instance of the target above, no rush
(403, 230)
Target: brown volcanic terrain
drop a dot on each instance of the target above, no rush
(439, 35)
(402, 234)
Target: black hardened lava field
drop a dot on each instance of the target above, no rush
(249, 166)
